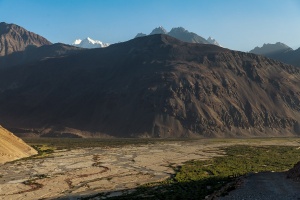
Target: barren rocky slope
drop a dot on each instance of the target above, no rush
(153, 86)
(12, 147)
(14, 38)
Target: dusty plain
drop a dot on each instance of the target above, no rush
(74, 172)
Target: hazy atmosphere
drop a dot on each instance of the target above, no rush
(235, 24)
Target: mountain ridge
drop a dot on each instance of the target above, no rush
(153, 86)
(268, 48)
(14, 38)
(181, 34)
(279, 51)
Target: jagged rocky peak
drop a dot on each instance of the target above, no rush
(179, 30)
(271, 48)
(14, 38)
(140, 35)
(213, 41)
(159, 30)
(186, 36)
(182, 34)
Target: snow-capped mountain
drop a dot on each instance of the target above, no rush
(89, 43)
(213, 41)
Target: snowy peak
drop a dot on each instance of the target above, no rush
(89, 43)
(76, 42)
(213, 41)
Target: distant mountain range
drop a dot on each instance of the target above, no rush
(89, 43)
(181, 34)
(14, 38)
(271, 49)
(279, 51)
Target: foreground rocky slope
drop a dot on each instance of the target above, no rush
(294, 173)
(14, 38)
(153, 86)
(12, 147)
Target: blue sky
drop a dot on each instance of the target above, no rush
(236, 24)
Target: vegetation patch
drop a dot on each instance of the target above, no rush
(198, 179)
(43, 151)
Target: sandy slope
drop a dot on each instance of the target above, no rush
(12, 147)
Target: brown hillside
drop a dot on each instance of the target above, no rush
(153, 86)
(14, 38)
(12, 147)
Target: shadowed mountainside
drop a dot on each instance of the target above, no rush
(290, 57)
(33, 54)
(154, 86)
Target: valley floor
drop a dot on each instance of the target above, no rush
(83, 172)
